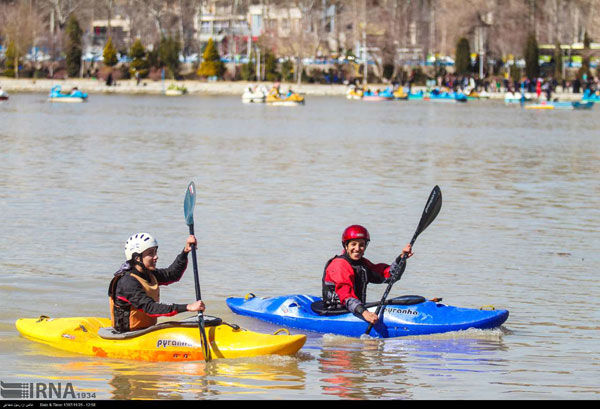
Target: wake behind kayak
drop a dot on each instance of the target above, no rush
(403, 316)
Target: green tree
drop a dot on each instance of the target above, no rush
(168, 54)
(248, 70)
(532, 57)
(152, 57)
(211, 65)
(12, 59)
(515, 72)
(271, 73)
(287, 71)
(74, 48)
(585, 72)
(462, 59)
(558, 62)
(139, 62)
(110, 54)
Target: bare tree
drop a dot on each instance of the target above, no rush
(61, 10)
(158, 10)
(109, 4)
(292, 34)
(20, 25)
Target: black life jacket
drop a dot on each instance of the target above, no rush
(362, 276)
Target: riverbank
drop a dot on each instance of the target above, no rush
(95, 86)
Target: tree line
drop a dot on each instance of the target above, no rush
(160, 29)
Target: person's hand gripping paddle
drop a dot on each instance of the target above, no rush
(188, 211)
(432, 208)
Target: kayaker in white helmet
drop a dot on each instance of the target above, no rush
(346, 276)
(134, 293)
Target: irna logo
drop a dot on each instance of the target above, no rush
(36, 390)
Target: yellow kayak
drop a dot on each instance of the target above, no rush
(167, 341)
(539, 106)
(400, 94)
(293, 99)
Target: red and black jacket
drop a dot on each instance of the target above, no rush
(345, 282)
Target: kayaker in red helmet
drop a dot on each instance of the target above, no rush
(134, 293)
(346, 276)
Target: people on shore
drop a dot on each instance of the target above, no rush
(346, 276)
(548, 88)
(134, 291)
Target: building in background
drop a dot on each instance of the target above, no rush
(226, 22)
(118, 29)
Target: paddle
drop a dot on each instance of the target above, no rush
(188, 211)
(432, 208)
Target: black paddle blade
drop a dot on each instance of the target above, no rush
(432, 208)
(189, 203)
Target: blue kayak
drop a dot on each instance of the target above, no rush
(403, 316)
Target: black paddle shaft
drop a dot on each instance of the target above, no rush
(195, 264)
(205, 344)
(188, 211)
(432, 208)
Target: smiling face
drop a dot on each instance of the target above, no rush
(356, 248)
(149, 258)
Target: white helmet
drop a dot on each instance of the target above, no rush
(138, 244)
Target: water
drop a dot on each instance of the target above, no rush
(276, 186)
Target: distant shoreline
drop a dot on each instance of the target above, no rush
(195, 87)
(129, 86)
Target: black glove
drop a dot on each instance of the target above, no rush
(396, 269)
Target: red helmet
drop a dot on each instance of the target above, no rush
(355, 232)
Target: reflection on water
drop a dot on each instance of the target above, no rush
(259, 378)
(518, 229)
(355, 371)
(201, 380)
(385, 368)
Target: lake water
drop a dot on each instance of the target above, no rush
(518, 229)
